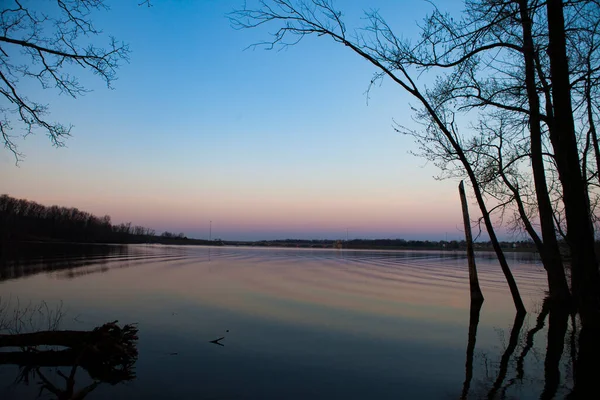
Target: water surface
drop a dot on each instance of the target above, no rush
(297, 323)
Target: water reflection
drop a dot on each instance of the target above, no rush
(506, 356)
(558, 322)
(558, 379)
(72, 260)
(529, 340)
(29, 259)
(308, 324)
(473, 324)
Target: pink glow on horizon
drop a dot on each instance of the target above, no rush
(307, 204)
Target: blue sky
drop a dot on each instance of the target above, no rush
(266, 144)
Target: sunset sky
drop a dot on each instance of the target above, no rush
(264, 144)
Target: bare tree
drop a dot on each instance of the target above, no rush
(498, 36)
(393, 59)
(47, 43)
(549, 249)
(501, 55)
(586, 278)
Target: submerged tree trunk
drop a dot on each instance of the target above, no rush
(476, 295)
(510, 280)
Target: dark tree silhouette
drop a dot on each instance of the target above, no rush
(393, 59)
(22, 219)
(506, 64)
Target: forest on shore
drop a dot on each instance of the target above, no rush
(23, 220)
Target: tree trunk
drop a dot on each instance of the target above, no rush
(104, 340)
(585, 278)
(47, 338)
(476, 295)
(590, 114)
(510, 280)
(549, 250)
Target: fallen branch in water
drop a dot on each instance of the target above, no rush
(108, 352)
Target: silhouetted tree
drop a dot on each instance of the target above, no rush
(394, 59)
(527, 45)
(536, 111)
(580, 233)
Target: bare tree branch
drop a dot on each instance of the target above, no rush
(52, 43)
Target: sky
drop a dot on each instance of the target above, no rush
(265, 144)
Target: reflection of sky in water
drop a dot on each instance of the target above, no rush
(303, 323)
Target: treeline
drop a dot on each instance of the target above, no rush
(22, 220)
(527, 245)
(385, 244)
(429, 244)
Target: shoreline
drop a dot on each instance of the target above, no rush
(356, 244)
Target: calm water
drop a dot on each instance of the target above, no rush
(298, 324)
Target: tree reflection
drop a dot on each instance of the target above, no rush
(558, 322)
(570, 359)
(473, 323)
(71, 260)
(512, 345)
(540, 321)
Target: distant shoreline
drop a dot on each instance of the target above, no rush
(25, 221)
(355, 244)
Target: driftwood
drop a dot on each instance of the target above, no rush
(108, 352)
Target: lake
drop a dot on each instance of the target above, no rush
(296, 323)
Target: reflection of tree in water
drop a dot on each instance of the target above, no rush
(32, 259)
(508, 376)
(69, 392)
(70, 260)
(107, 354)
(473, 323)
